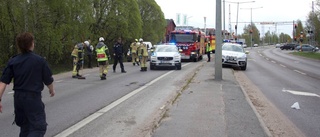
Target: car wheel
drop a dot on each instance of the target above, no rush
(244, 67)
(178, 67)
(152, 67)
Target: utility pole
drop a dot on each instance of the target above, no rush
(218, 53)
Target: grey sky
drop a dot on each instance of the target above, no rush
(271, 11)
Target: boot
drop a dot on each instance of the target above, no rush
(138, 63)
(134, 64)
(145, 68)
(123, 71)
(142, 69)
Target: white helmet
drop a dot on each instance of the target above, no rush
(140, 39)
(101, 39)
(87, 43)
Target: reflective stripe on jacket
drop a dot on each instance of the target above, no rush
(101, 54)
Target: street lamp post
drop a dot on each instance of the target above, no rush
(236, 27)
(251, 22)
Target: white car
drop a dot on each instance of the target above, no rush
(165, 56)
(255, 45)
(234, 55)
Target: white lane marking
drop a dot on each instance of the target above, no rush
(301, 93)
(100, 112)
(273, 62)
(300, 72)
(58, 81)
(11, 92)
(260, 55)
(267, 58)
(282, 65)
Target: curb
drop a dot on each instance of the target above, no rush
(262, 124)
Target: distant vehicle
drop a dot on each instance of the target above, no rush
(255, 45)
(244, 45)
(290, 46)
(129, 56)
(306, 47)
(165, 56)
(278, 45)
(233, 54)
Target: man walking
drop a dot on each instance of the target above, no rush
(118, 52)
(134, 47)
(29, 73)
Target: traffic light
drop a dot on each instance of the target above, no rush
(250, 31)
(295, 26)
(295, 38)
(235, 27)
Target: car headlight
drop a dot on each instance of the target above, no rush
(242, 57)
(177, 57)
(193, 52)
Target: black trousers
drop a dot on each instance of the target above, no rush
(208, 54)
(89, 61)
(30, 114)
(115, 63)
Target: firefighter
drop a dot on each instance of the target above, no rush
(102, 57)
(208, 50)
(134, 47)
(77, 57)
(143, 55)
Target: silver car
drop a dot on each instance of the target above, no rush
(234, 55)
(165, 56)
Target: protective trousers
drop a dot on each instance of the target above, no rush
(30, 114)
(135, 59)
(144, 61)
(76, 66)
(103, 68)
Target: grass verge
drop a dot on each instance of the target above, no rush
(312, 55)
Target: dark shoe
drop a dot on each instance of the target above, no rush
(74, 76)
(134, 64)
(114, 71)
(123, 71)
(142, 69)
(145, 68)
(103, 78)
(138, 63)
(80, 77)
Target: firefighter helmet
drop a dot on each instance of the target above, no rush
(140, 39)
(101, 39)
(87, 43)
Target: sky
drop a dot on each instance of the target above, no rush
(263, 11)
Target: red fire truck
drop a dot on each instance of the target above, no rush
(192, 43)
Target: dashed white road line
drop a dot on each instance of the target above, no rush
(100, 112)
(273, 62)
(299, 72)
(301, 93)
(267, 58)
(283, 66)
(260, 55)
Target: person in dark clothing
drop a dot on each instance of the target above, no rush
(89, 52)
(118, 52)
(30, 73)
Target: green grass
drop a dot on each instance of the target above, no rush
(312, 55)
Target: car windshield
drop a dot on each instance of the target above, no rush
(232, 47)
(166, 49)
(183, 37)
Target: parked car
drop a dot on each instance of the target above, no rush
(234, 55)
(307, 47)
(255, 45)
(290, 46)
(244, 45)
(165, 56)
(278, 45)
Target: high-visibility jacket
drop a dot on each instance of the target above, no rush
(134, 47)
(102, 52)
(143, 50)
(78, 51)
(208, 47)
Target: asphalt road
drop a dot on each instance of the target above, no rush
(285, 79)
(76, 99)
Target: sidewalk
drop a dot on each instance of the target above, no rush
(209, 108)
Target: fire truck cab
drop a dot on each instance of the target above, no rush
(191, 42)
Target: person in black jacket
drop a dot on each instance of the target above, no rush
(118, 52)
(30, 73)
